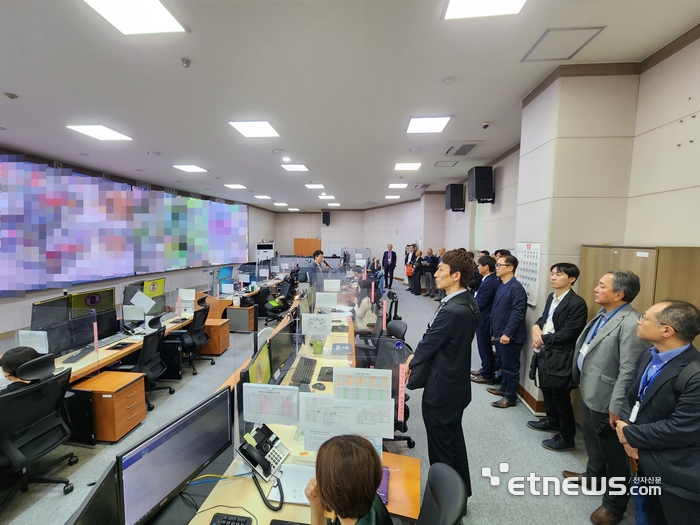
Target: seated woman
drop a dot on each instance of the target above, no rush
(364, 313)
(11, 361)
(348, 474)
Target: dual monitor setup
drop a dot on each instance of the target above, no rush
(229, 280)
(272, 360)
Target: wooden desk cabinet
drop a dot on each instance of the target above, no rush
(218, 332)
(119, 403)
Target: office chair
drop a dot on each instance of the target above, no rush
(194, 338)
(397, 329)
(280, 304)
(149, 363)
(393, 306)
(32, 424)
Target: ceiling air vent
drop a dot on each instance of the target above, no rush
(370, 203)
(460, 149)
(421, 186)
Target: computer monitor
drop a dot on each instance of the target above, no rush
(49, 313)
(225, 272)
(305, 305)
(159, 307)
(154, 471)
(97, 300)
(82, 332)
(130, 290)
(101, 506)
(132, 314)
(59, 337)
(258, 370)
(227, 288)
(154, 287)
(281, 348)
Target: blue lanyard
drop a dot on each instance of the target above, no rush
(602, 321)
(647, 379)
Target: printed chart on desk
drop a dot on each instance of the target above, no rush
(270, 403)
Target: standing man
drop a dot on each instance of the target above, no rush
(430, 269)
(316, 271)
(508, 329)
(441, 293)
(446, 349)
(660, 423)
(389, 263)
(604, 364)
(484, 298)
(554, 338)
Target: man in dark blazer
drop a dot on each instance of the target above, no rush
(508, 329)
(389, 263)
(446, 347)
(604, 365)
(660, 423)
(554, 338)
(484, 298)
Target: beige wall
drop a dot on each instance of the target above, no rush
(261, 225)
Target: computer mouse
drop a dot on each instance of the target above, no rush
(318, 386)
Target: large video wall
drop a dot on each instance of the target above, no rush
(59, 228)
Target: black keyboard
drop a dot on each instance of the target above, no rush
(79, 355)
(230, 519)
(304, 370)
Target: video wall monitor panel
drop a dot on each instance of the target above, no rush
(97, 300)
(49, 313)
(155, 471)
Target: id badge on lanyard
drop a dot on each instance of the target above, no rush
(635, 411)
(585, 349)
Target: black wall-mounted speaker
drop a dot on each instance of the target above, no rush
(327, 218)
(454, 197)
(480, 184)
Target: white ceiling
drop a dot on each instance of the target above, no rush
(338, 80)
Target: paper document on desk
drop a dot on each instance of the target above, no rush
(294, 479)
(316, 324)
(361, 385)
(326, 300)
(271, 403)
(142, 300)
(36, 339)
(325, 414)
(331, 285)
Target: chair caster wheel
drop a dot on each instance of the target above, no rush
(67, 489)
(73, 460)
(410, 443)
(171, 391)
(213, 362)
(150, 406)
(194, 372)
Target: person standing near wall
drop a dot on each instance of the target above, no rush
(389, 263)
(430, 270)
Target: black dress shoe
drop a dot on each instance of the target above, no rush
(496, 392)
(558, 444)
(481, 380)
(438, 299)
(503, 403)
(542, 425)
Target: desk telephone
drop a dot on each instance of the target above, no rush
(263, 451)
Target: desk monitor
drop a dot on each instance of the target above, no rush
(82, 332)
(132, 314)
(281, 348)
(59, 337)
(49, 313)
(159, 307)
(98, 300)
(225, 272)
(227, 288)
(154, 287)
(130, 290)
(154, 471)
(101, 506)
(258, 370)
(305, 305)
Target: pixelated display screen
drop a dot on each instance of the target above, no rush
(59, 228)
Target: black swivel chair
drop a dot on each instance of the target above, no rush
(149, 363)
(32, 424)
(393, 313)
(280, 304)
(397, 329)
(193, 338)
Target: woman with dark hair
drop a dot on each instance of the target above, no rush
(11, 361)
(418, 271)
(348, 474)
(364, 314)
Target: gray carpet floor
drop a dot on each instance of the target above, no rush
(493, 436)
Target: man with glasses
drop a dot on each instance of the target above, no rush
(484, 298)
(604, 363)
(508, 330)
(660, 423)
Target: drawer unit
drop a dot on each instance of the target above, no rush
(242, 318)
(119, 403)
(218, 331)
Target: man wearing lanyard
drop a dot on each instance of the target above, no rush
(604, 364)
(659, 427)
(389, 263)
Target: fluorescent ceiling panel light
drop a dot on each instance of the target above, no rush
(137, 17)
(262, 197)
(281, 204)
(398, 185)
(294, 167)
(326, 197)
(189, 168)
(261, 128)
(99, 132)
(478, 8)
(315, 186)
(292, 209)
(392, 197)
(407, 166)
(427, 124)
(333, 204)
(236, 186)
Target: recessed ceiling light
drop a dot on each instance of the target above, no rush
(292, 209)
(261, 128)
(294, 167)
(398, 185)
(312, 186)
(262, 197)
(477, 8)
(136, 17)
(189, 168)
(407, 166)
(281, 204)
(427, 124)
(326, 197)
(333, 204)
(236, 186)
(392, 197)
(155, 153)
(286, 159)
(99, 132)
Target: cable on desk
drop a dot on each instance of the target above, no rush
(230, 507)
(194, 503)
(278, 484)
(215, 477)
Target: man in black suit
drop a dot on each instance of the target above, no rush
(554, 338)
(389, 263)
(508, 329)
(446, 346)
(660, 423)
(484, 298)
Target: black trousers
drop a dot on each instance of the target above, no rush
(388, 276)
(560, 413)
(606, 456)
(668, 509)
(443, 426)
